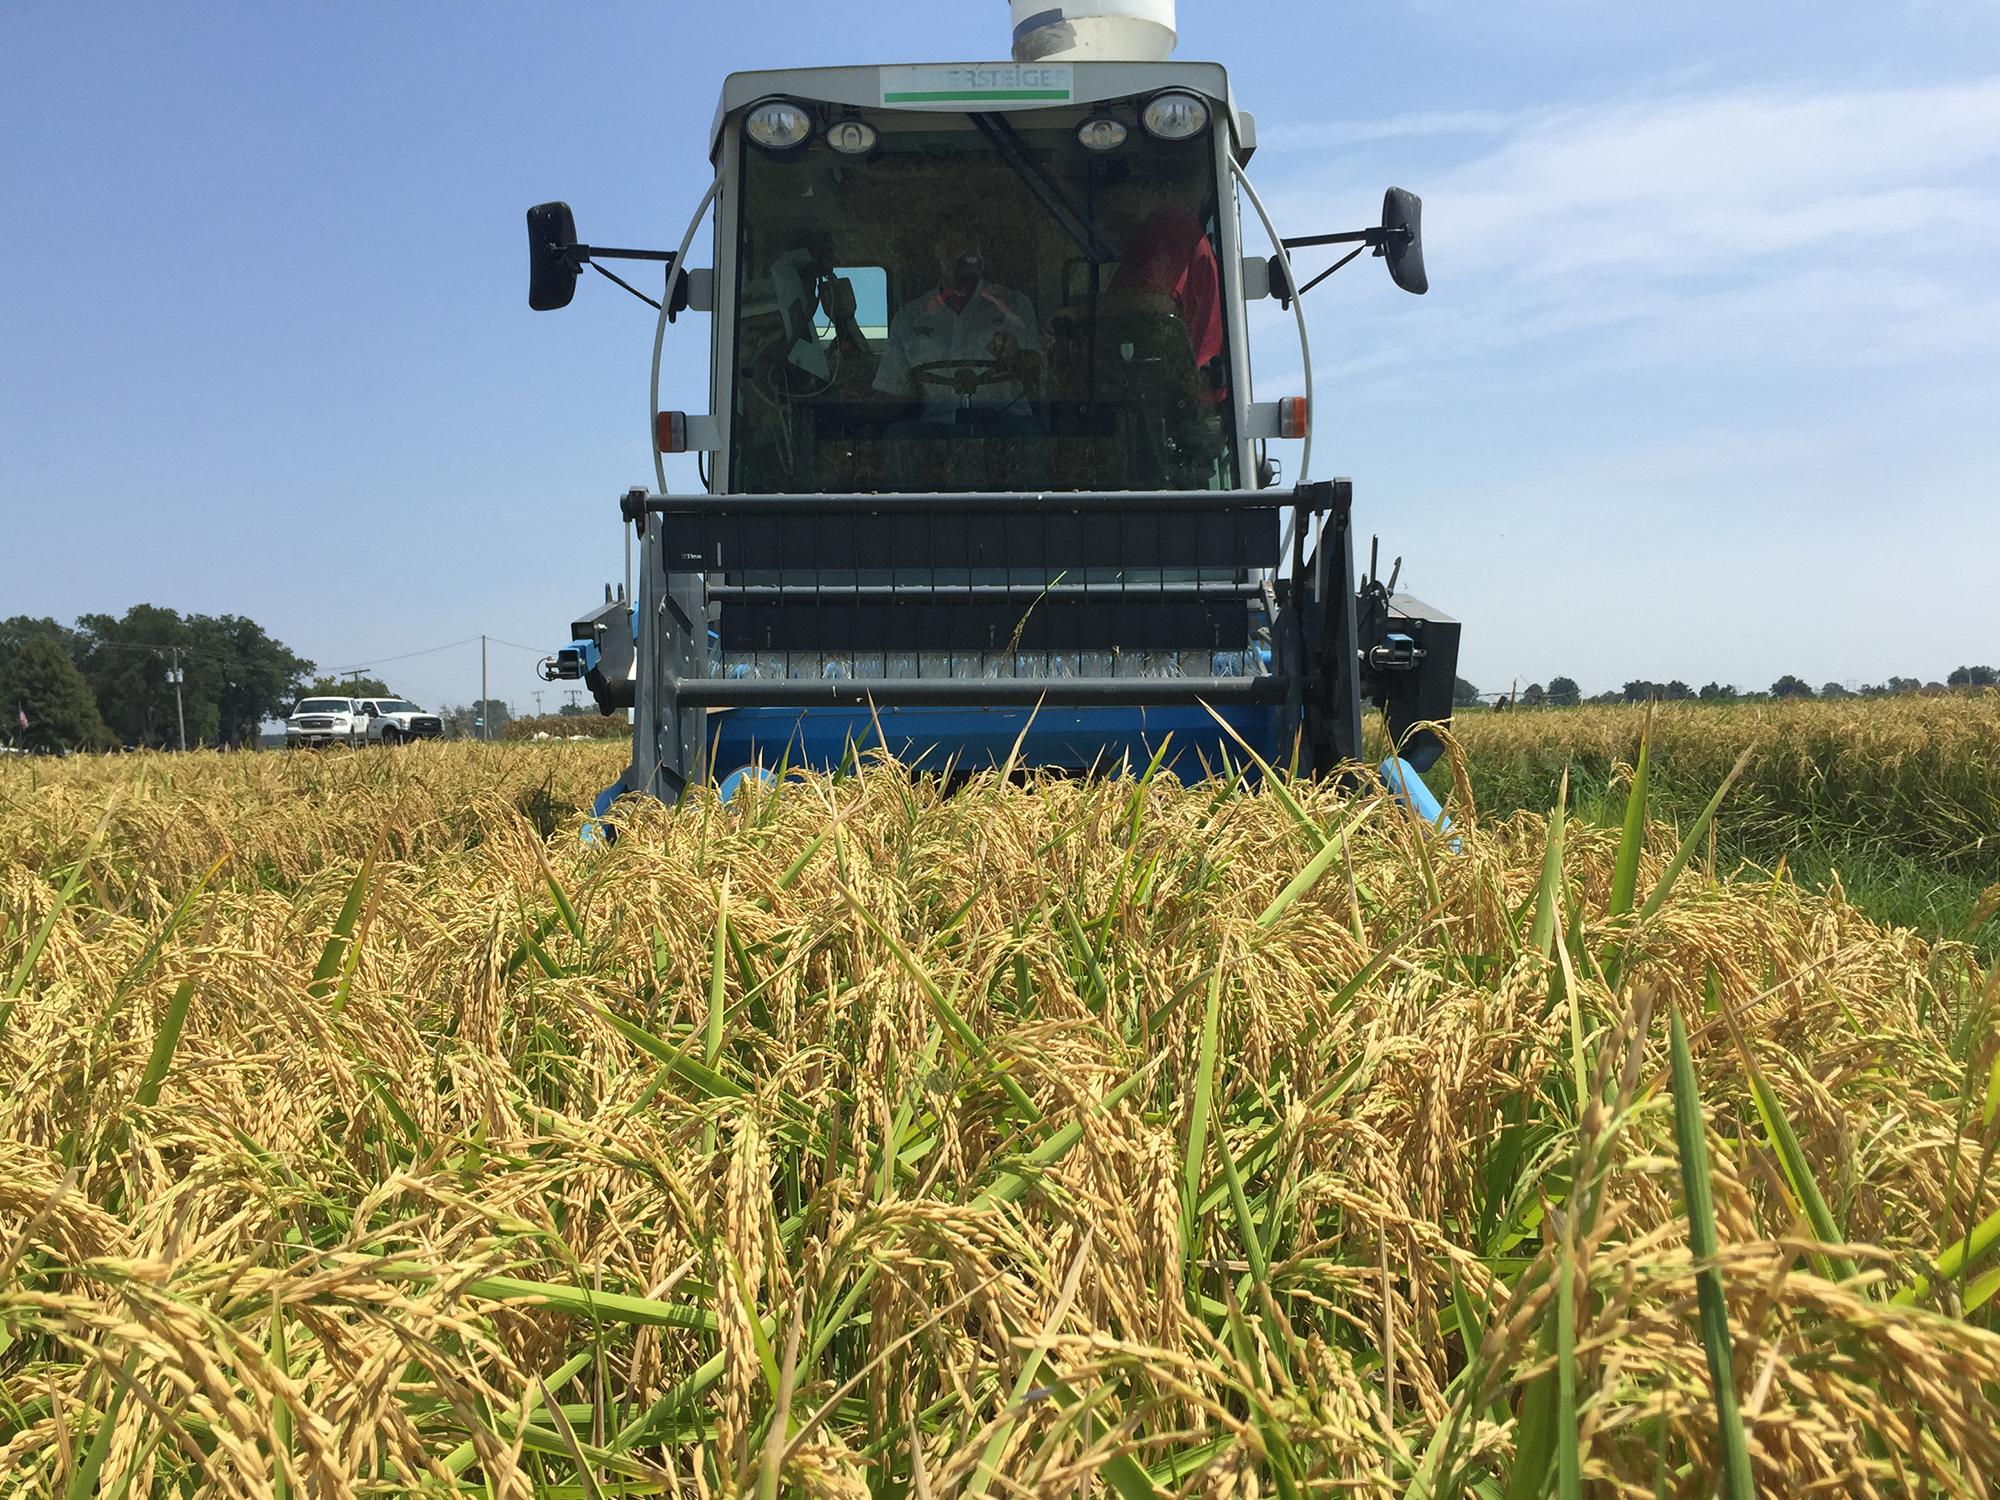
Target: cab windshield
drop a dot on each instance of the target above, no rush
(981, 303)
(324, 706)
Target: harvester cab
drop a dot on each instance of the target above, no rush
(983, 465)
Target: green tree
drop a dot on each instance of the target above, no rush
(1534, 695)
(41, 685)
(1564, 693)
(1789, 686)
(234, 675)
(490, 717)
(252, 676)
(464, 721)
(126, 659)
(20, 629)
(1464, 694)
(1974, 677)
(1717, 692)
(347, 687)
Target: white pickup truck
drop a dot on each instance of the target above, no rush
(326, 721)
(392, 721)
(359, 721)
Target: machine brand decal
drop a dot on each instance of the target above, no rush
(979, 83)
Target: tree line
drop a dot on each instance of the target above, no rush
(1563, 692)
(107, 681)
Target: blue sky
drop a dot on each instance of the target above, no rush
(1705, 386)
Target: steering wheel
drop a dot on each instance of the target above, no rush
(963, 377)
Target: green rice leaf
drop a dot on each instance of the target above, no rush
(1692, 839)
(334, 953)
(1964, 1250)
(1309, 877)
(1690, 1137)
(703, 1077)
(84, 1478)
(1536, 1423)
(1548, 894)
(164, 1041)
(711, 1047)
(1798, 1173)
(281, 1410)
(600, 1307)
(1204, 1089)
(1632, 842)
(168, 928)
(41, 938)
(1569, 1454)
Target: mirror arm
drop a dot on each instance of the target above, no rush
(1357, 250)
(582, 253)
(1351, 237)
(621, 281)
(1376, 239)
(580, 256)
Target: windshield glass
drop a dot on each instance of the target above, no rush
(324, 706)
(396, 706)
(981, 303)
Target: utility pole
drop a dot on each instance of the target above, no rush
(537, 695)
(174, 676)
(484, 732)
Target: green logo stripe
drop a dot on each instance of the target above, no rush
(962, 96)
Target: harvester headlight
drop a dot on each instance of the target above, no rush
(1102, 133)
(1175, 116)
(779, 125)
(852, 138)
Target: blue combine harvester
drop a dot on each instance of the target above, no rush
(983, 463)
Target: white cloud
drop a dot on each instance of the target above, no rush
(1296, 136)
(1675, 184)
(1850, 226)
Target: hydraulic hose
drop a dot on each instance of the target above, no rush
(1305, 339)
(674, 273)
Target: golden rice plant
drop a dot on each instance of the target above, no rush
(860, 1139)
(1911, 776)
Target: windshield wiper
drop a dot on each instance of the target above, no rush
(1046, 190)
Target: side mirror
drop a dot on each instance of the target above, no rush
(552, 269)
(1403, 239)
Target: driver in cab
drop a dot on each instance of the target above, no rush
(969, 344)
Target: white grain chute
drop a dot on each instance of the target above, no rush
(1093, 30)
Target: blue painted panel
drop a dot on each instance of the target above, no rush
(977, 739)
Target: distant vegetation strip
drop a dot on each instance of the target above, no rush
(1918, 777)
(589, 726)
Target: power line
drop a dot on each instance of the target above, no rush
(383, 661)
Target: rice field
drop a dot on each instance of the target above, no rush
(367, 1133)
(1905, 777)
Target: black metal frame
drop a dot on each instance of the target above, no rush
(697, 549)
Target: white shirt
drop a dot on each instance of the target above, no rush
(928, 330)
